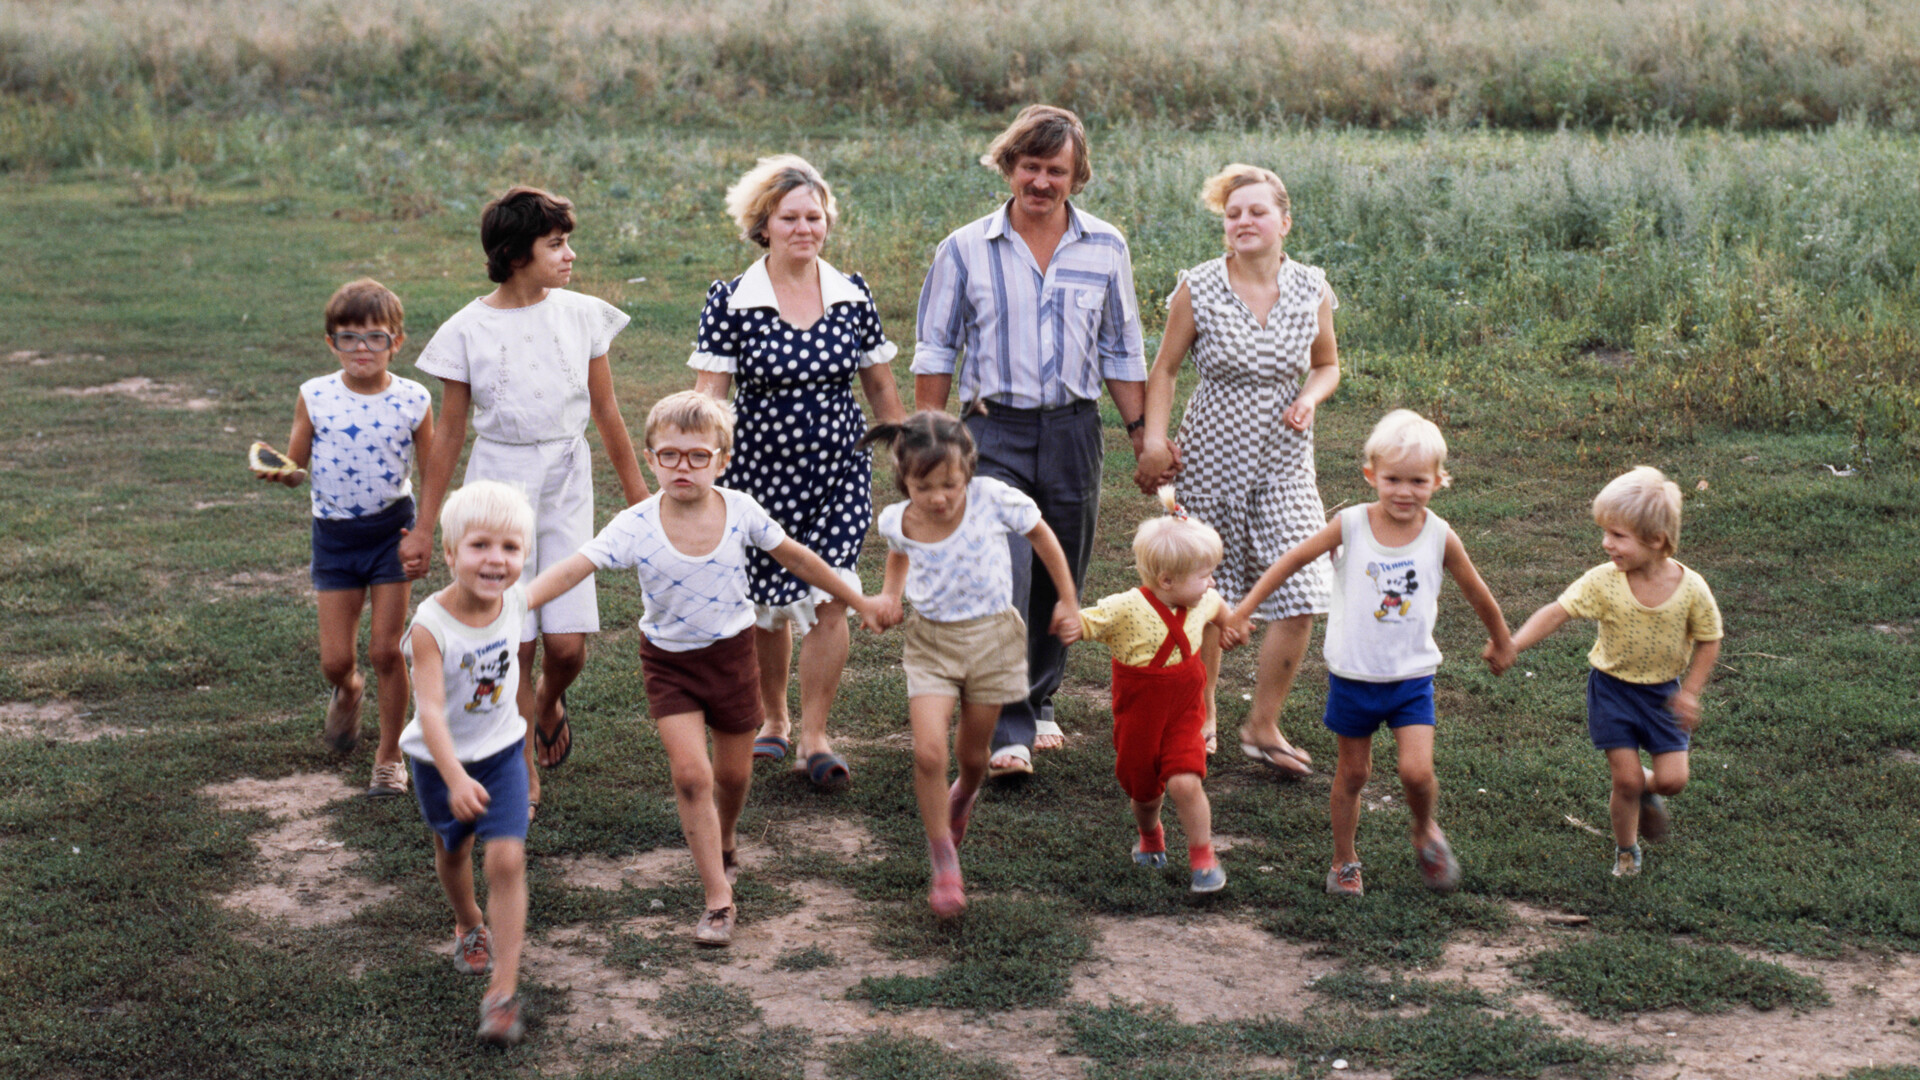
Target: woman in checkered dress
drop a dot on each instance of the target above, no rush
(1260, 328)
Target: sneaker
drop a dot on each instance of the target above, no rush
(389, 780)
(1152, 860)
(1438, 867)
(1209, 878)
(1655, 822)
(473, 951)
(1344, 880)
(500, 1022)
(1626, 861)
(715, 928)
(342, 729)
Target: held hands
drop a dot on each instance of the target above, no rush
(414, 566)
(466, 798)
(415, 549)
(1236, 629)
(881, 613)
(1499, 659)
(1686, 709)
(1157, 465)
(1066, 620)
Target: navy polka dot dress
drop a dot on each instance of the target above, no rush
(796, 421)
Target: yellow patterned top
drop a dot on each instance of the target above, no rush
(1639, 644)
(1127, 624)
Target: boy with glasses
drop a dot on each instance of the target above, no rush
(356, 435)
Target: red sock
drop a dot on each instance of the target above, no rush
(1200, 856)
(1155, 842)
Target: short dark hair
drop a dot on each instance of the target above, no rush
(365, 302)
(922, 443)
(511, 224)
(1041, 131)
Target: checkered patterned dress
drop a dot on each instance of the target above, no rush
(1246, 473)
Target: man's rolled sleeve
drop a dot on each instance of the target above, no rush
(1122, 353)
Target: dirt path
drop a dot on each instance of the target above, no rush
(1220, 968)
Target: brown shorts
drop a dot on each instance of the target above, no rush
(721, 680)
(980, 660)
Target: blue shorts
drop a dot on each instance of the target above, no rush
(1623, 715)
(504, 775)
(1356, 708)
(358, 553)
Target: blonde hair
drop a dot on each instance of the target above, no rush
(1040, 131)
(752, 198)
(1403, 434)
(1643, 500)
(1213, 193)
(1174, 545)
(693, 412)
(486, 504)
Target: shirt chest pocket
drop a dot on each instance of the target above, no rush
(1080, 313)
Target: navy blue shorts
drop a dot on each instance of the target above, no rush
(1623, 715)
(504, 775)
(358, 553)
(1356, 708)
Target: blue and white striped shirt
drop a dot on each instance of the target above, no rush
(1031, 340)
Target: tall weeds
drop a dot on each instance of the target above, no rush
(1518, 63)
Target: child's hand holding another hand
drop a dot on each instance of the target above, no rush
(1498, 659)
(1066, 620)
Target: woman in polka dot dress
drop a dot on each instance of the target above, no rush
(793, 333)
(1260, 328)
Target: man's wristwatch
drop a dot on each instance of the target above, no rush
(1136, 425)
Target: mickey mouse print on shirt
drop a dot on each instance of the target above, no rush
(1397, 582)
(488, 670)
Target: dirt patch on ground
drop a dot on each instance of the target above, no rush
(146, 391)
(1213, 967)
(59, 721)
(306, 878)
(1874, 998)
(267, 583)
(35, 358)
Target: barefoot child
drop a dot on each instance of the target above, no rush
(1657, 622)
(1160, 682)
(947, 555)
(359, 431)
(689, 544)
(1387, 558)
(529, 362)
(466, 737)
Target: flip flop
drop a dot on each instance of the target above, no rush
(1277, 759)
(771, 748)
(566, 728)
(828, 771)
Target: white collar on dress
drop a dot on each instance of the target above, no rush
(756, 288)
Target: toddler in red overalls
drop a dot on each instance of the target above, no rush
(1159, 683)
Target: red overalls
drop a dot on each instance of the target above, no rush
(1158, 711)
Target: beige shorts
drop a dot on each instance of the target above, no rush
(980, 660)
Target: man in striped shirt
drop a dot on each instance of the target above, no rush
(1033, 306)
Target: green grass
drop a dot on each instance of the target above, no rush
(1609, 977)
(1439, 1044)
(885, 1056)
(1490, 280)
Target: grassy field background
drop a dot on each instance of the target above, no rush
(1734, 307)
